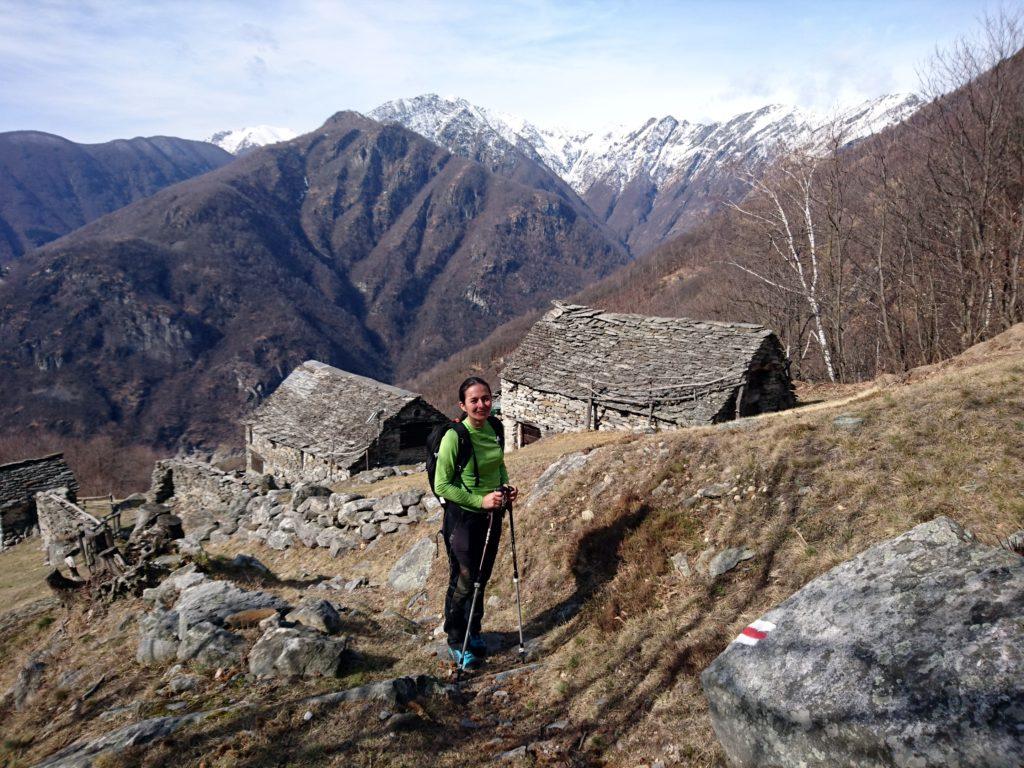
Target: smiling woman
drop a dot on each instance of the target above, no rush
(472, 481)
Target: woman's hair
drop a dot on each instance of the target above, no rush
(471, 382)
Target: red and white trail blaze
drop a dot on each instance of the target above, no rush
(754, 633)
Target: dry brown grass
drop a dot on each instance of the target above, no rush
(624, 636)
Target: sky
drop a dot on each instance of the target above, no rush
(95, 71)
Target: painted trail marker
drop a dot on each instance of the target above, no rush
(754, 633)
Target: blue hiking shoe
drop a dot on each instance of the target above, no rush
(477, 645)
(462, 660)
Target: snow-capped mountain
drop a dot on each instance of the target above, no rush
(243, 140)
(647, 182)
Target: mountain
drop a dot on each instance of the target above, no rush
(242, 141)
(360, 244)
(50, 186)
(494, 140)
(649, 183)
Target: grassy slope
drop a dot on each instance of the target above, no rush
(625, 636)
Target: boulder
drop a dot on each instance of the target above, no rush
(337, 500)
(303, 491)
(214, 601)
(681, 564)
(390, 505)
(158, 637)
(566, 465)
(165, 593)
(724, 561)
(388, 526)
(211, 646)
(328, 535)
(410, 498)
(412, 569)
(314, 506)
(357, 505)
(316, 614)
(353, 518)
(296, 652)
(280, 540)
(910, 654)
(308, 533)
(368, 532)
(289, 523)
(415, 513)
(342, 544)
(259, 535)
(716, 491)
(249, 563)
(30, 677)
(259, 509)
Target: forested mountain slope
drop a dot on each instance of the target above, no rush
(359, 244)
(50, 186)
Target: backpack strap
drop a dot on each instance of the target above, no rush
(499, 430)
(465, 453)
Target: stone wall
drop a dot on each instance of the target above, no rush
(287, 463)
(196, 485)
(769, 387)
(20, 481)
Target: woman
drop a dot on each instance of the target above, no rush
(474, 504)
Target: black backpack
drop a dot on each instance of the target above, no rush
(465, 452)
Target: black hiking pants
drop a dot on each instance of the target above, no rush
(464, 535)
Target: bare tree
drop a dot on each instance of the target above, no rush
(785, 207)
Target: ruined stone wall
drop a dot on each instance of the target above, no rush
(20, 481)
(196, 485)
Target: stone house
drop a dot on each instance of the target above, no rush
(584, 369)
(324, 424)
(20, 481)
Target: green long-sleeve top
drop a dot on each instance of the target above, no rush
(468, 493)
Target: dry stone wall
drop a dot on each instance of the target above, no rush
(269, 457)
(195, 485)
(20, 481)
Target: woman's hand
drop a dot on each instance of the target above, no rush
(513, 493)
(493, 500)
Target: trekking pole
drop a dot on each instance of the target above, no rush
(476, 591)
(515, 577)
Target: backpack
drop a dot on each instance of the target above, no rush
(465, 451)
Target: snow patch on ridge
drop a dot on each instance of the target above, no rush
(243, 140)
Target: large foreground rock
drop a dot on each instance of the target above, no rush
(413, 568)
(214, 601)
(911, 654)
(297, 652)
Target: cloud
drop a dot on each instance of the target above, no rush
(98, 70)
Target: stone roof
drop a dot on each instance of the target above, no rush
(328, 412)
(687, 368)
(21, 480)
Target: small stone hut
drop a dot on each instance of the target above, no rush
(20, 481)
(324, 424)
(581, 369)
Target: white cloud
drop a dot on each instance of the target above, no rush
(94, 71)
